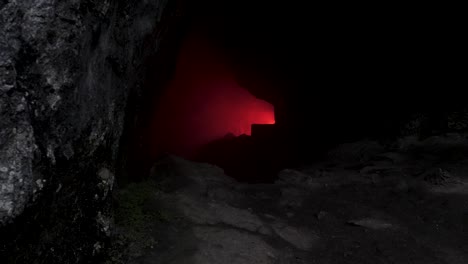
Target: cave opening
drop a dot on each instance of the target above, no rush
(257, 95)
(218, 92)
(204, 114)
(355, 114)
(199, 110)
(203, 102)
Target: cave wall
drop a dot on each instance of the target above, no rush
(66, 71)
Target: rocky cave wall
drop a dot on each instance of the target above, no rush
(67, 69)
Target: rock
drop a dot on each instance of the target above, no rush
(175, 173)
(438, 180)
(297, 178)
(264, 230)
(372, 223)
(433, 144)
(220, 246)
(204, 212)
(107, 181)
(439, 176)
(292, 197)
(224, 194)
(17, 182)
(200, 198)
(402, 186)
(269, 216)
(360, 151)
(67, 69)
(321, 215)
(301, 238)
(58, 95)
(394, 157)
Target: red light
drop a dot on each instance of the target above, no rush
(203, 103)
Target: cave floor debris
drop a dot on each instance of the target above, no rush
(403, 206)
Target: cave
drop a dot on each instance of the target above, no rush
(202, 113)
(310, 109)
(174, 131)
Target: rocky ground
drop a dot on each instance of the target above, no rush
(405, 202)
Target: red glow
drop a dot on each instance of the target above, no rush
(203, 102)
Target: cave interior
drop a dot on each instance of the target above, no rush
(360, 104)
(255, 89)
(234, 131)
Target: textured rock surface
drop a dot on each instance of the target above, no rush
(384, 210)
(66, 71)
(221, 245)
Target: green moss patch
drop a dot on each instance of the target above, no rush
(135, 220)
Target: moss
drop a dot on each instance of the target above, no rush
(134, 221)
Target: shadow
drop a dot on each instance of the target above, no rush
(250, 159)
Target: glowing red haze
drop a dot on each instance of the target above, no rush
(203, 103)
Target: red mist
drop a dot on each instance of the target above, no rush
(203, 103)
